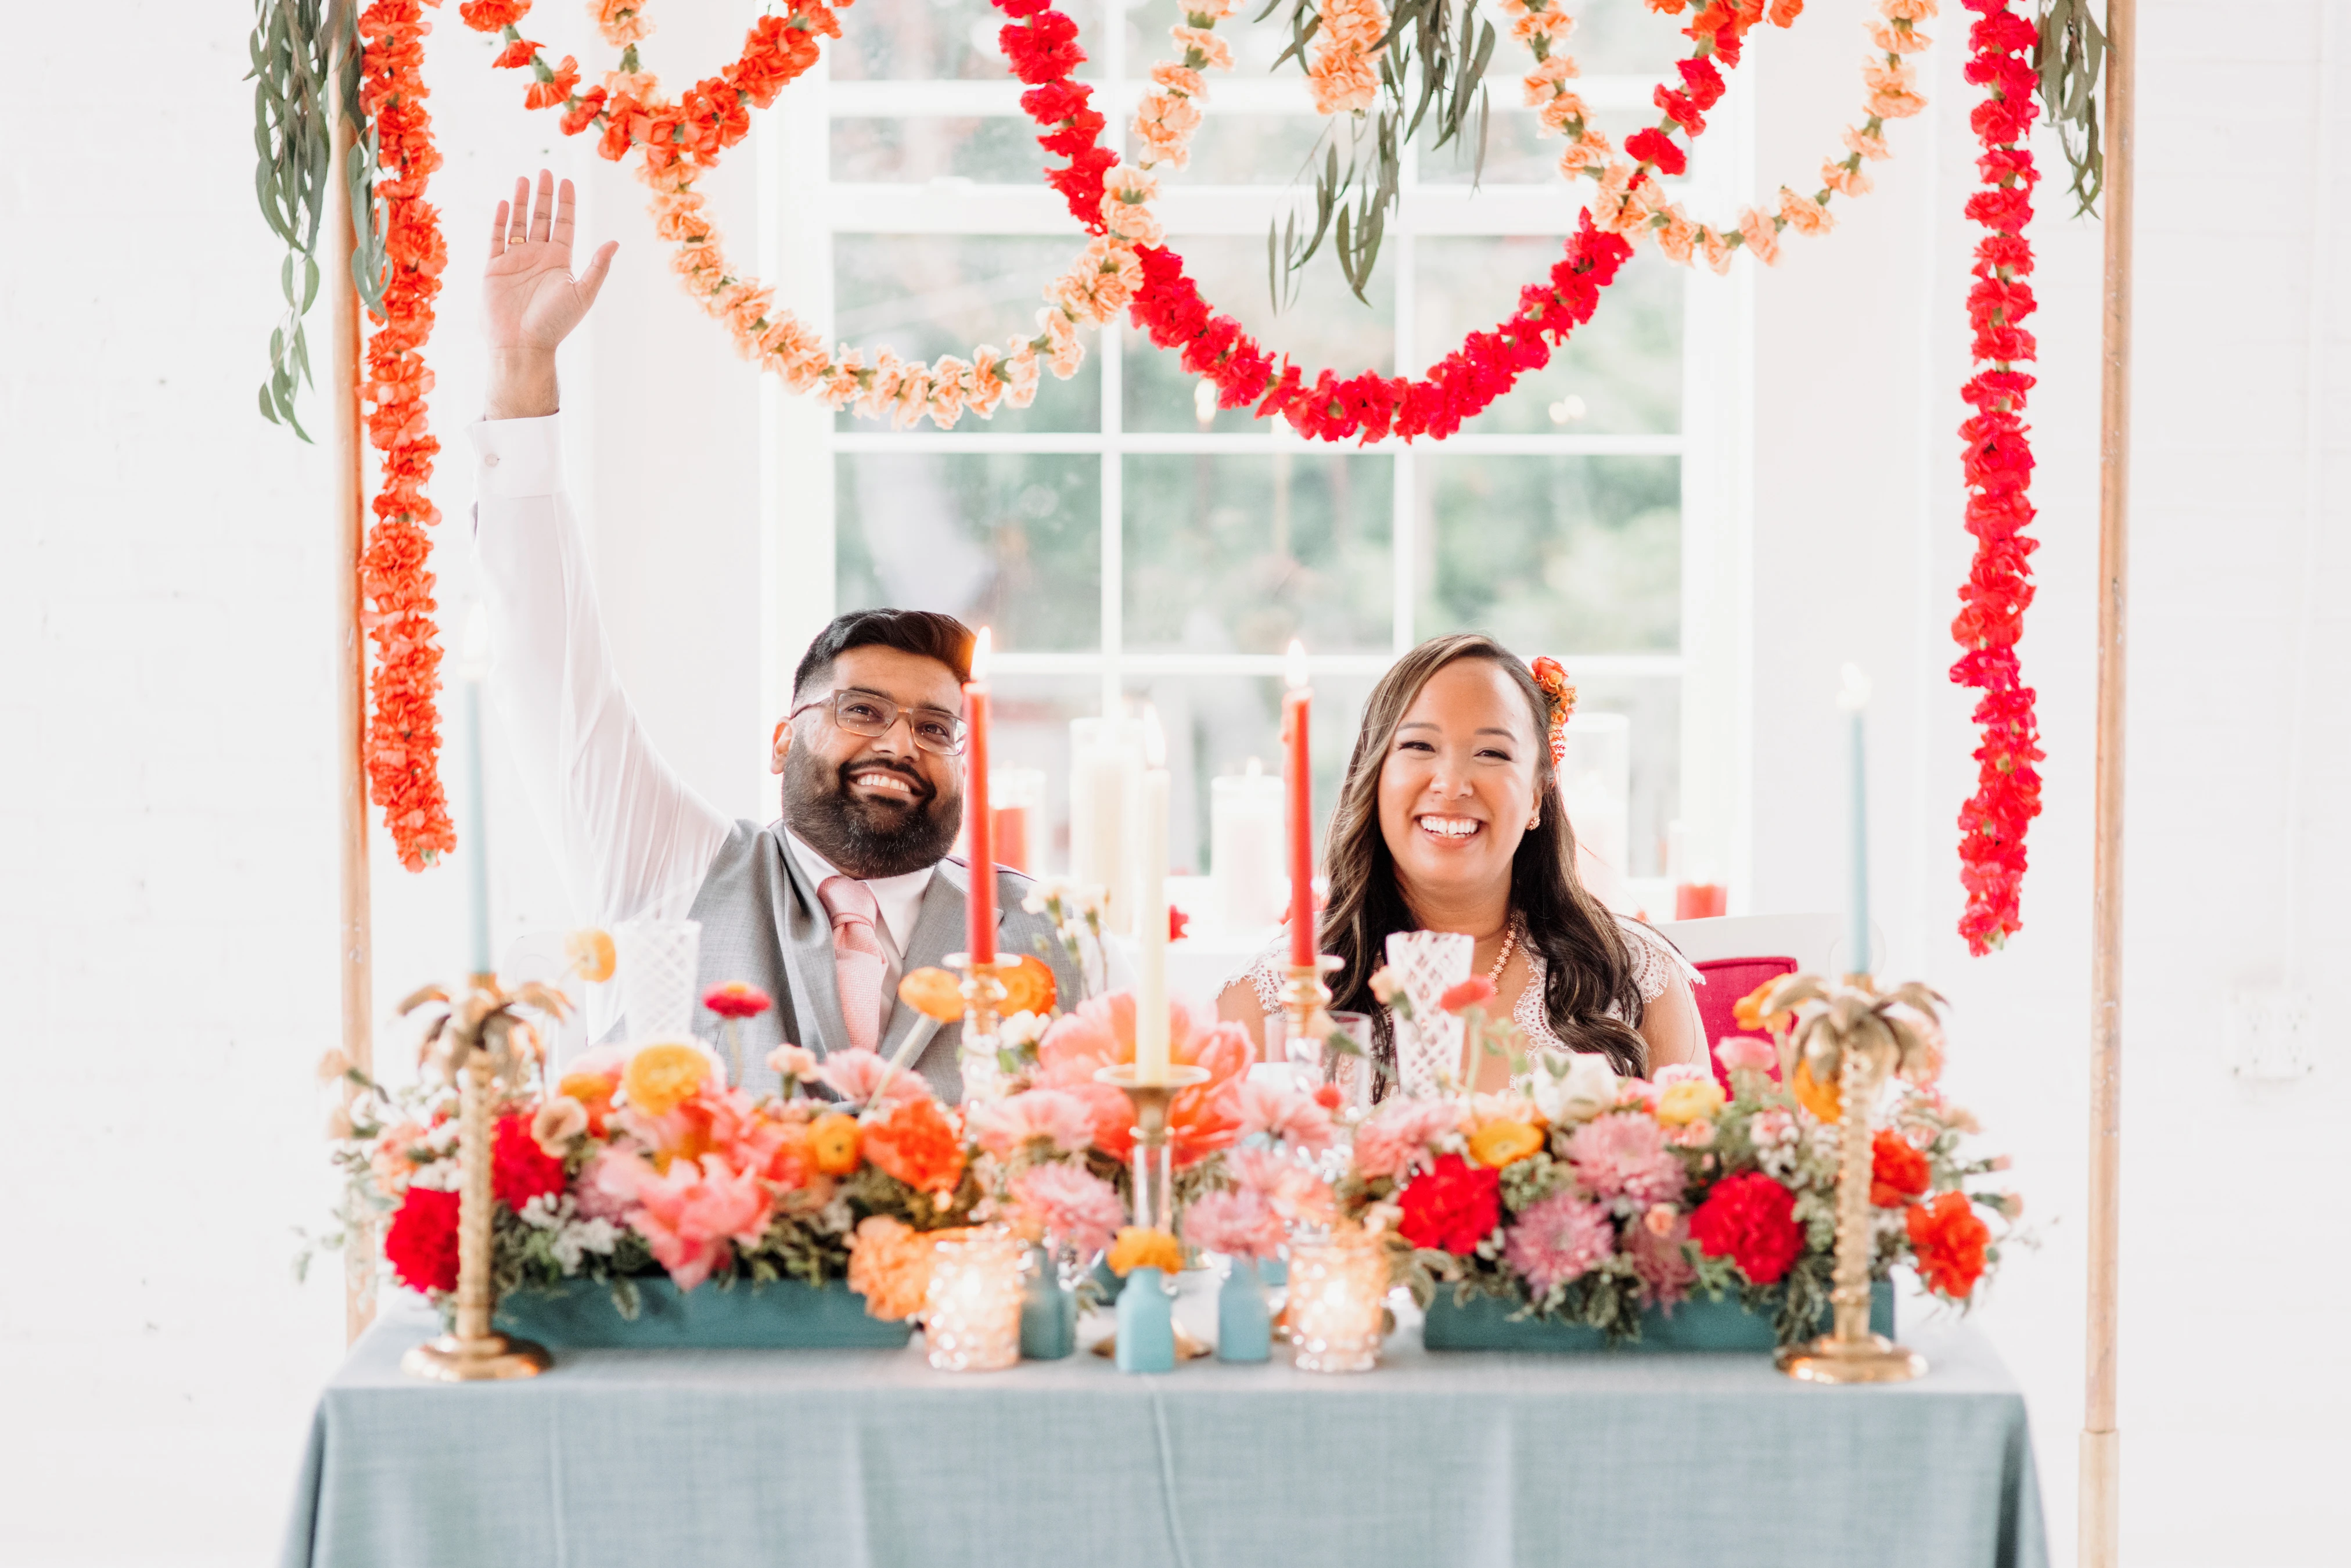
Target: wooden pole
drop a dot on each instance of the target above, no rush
(353, 930)
(2101, 1453)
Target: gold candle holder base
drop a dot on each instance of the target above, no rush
(1828, 1359)
(1154, 1197)
(1304, 995)
(493, 1358)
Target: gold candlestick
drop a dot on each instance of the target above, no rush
(983, 995)
(1850, 1352)
(1306, 996)
(479, 1040)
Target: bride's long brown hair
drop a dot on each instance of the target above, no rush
(1587, 970)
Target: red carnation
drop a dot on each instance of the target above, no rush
(421, 1241)
(1475, 991)
(1654, 146)
(1949, 1241)
(1452, 1205)
(489, 16)
(1898, 1171)
(736, 999)
(519, 1169)
(1750, 1219)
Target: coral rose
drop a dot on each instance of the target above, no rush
(688, 1214)
(918, 1144)
(1451, 1206)
(1201, 1121)
(421, 1243)
(1950, 1244)
(1750, 1219)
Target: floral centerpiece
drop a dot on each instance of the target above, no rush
(1581, 1198)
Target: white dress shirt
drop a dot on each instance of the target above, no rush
(634, 842)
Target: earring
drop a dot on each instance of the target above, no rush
(1534, 821)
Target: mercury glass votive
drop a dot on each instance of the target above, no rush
(1338, 1291)
(971, 1318)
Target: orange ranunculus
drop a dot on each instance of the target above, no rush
(1826, 1101)
(1142, 1247)
(1500, 1143)
(591, 954)
(1030, 987)
(890, 1265)
(933, 992)
(1100, 1033)
(1748, 1011)
(833, 1138)
(660, 1077)
(917, 1142)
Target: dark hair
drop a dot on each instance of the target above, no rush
(925, 632)
(1587, 969)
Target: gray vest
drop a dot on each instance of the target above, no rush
(761, 922)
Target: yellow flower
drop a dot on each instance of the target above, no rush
(1141, 1247)
(1499, 1143)
(1692, 1100)
(591, 954)
(661, 1078)
(834, 1137)
(1826, 1101)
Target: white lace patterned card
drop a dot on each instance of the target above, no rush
(657, 962)
(1427, 963)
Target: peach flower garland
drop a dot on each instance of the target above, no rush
(1630, 202)
(681, 140)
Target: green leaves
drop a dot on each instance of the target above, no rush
(2071, 56)
(294, 45)
(1432, 64)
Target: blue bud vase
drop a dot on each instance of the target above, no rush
(1244, 1327)
(1049, 1312)
(1147, 1324)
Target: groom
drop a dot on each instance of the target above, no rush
(825, 909)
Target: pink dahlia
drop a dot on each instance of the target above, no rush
(1626, 1155)
(1660, 1256)
(1004, 1127)
(1238, 1223)
(1068, 1204)
(1401, 1134)
(1285, 1115)
(1559, 1239)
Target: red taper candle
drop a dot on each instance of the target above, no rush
(979, 822)
(1298, 772)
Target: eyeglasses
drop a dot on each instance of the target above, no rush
(870, 712)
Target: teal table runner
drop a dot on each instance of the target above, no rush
(844, 1458)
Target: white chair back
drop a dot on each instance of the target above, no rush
(1813, 941)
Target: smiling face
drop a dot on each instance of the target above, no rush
(1458, 785)
(873, 805)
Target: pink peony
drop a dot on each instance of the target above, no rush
(854, 1075)
(1294, 1193)
(1238, 1223)
(1005, 1127)
(1100, 1033)
(1285, 1115)
(1068, 1203)
(1559, 1239)
(1738, 1052)
(1622, 1156)
(689, 1214)
(1402, 1133)
(606, 1187)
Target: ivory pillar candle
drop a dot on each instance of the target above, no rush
(1105, 790)
(1245, 849)
(1150, 912)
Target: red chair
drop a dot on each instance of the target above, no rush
(1727, 980)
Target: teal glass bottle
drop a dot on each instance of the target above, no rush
(1049, 1312)
(1147, 1324)
(1244, 1326)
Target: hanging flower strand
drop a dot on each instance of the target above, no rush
(681, 140)
(403, 733)
(1998, 468)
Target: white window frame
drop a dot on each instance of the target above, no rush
(801, 210)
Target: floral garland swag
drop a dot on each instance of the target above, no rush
(1998, 466)
(403, 733)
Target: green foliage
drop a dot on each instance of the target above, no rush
(2071, 56)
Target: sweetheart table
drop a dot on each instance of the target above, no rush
(713, 1458)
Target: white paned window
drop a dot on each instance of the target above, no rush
(1125, 539)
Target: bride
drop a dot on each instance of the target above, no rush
(1450, 821)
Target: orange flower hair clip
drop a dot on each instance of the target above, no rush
(1551, 676)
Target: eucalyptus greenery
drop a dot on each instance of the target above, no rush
(1432, 64)
(301, 49)
(2070, 57)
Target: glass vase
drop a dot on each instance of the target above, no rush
(971, 1317)
(1048, 1311)
(656, 962)
(1244, 1326)
(1338, 1294)
(1147, 1324)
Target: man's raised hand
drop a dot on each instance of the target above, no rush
(531, 302)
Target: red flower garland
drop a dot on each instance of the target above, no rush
(1370, 407)
(1998, 466)
(403, 736)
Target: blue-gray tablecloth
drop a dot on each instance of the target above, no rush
(680, 1458)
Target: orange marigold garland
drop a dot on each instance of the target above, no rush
(1998, 466)
(403, 736)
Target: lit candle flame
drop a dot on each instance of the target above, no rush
(981, 646)
(1293, 668)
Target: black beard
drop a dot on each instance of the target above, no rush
(866, 838)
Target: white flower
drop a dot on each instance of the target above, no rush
(1022, 1027)
(1574, 1090)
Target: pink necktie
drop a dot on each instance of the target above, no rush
(857, 957)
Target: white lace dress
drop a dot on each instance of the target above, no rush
(1655, 963)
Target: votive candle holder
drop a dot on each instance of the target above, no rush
(1338, 1296)
(971, 1317)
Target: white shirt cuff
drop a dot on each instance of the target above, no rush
(516, 457)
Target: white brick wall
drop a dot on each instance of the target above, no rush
(166, 802)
